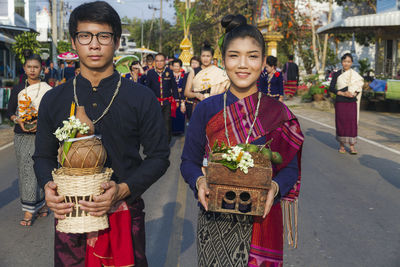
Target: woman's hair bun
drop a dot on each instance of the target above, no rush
(206, 44)
(229, 22)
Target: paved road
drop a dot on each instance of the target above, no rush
(349, 210)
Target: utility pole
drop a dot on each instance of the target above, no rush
(160, 45)
(54, 36)
(61, 29)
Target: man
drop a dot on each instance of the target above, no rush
(149, 63)
(131, 119)
(51, 76)
(178, 123)
(290, 77)
(61, 72)
(161, 81)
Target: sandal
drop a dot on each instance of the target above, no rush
(26, 222)
(44, 212)
(342, 151)
(354, 152)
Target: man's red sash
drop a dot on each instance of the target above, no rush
(173, 104)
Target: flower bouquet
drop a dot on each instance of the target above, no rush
(239, 177)
(27, 112)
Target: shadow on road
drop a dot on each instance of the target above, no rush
(388, 169)
(161, 230)
(9, 194)
(393, 138)
(323, 137)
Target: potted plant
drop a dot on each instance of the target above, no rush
(317, 92)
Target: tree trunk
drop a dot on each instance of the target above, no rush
(326, 36)
(314, 41)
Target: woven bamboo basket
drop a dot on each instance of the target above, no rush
(80, 187)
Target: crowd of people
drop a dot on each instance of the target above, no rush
(241, 102)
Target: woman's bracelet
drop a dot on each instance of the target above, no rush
(276, 187)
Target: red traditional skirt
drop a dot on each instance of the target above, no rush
(290, 88)
(346, 122)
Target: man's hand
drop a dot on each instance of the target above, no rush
(270, 199)
(101, 204)
(55, 202)
(203, 192)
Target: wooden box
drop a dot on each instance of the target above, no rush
(237, 192)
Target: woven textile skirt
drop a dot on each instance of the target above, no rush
(346, 122)
(223, 239)
(290, 88)
(32, 196)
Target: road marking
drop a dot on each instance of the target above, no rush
(175, 240)
(359, 137)
(6, 146)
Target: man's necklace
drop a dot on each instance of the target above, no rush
(109, 105)
(252, 125)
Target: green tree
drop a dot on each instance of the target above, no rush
(63, 46)
(26, 41)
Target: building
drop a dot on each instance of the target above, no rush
(16, 16)
(385, 25)
(43, 25)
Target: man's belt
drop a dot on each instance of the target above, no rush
(170, 100)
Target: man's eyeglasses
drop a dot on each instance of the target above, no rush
(85, 38)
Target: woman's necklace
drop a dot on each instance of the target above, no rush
(109, 105)
(26, 90)
(252, 125)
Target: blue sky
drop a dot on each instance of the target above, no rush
(133, 8)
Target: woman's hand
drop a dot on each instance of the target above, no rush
(203, 191)
(22, 125)
(346, 94)
(270, 198)
(34, 129)
(200, 96)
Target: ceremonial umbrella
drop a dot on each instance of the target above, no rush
(68, 56)
(123, 63)
(143, 50)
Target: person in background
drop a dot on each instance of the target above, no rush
(290, 77)
(51, 76)
(194, 65)
(178, 123)
(136, 73)
(77, 68)
(347, 85)
(162, 82)
(32, 196)
(69, 71)
(271, 80)
(149, 63)
(61, 73)
(208, 80)
(229, 118)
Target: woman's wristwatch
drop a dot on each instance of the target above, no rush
(15, 120)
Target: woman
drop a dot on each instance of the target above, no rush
(242, 240)
(194, 65)
(208, 80)
(178, 123)
(347, 85)
(136, 73)
(271, 80)
(27, 96)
